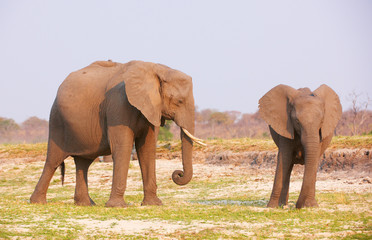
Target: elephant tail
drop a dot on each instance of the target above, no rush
(62, 166)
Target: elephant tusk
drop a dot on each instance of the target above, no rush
(191, 136)
(195, 139)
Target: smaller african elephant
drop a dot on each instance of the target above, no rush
(301, 124)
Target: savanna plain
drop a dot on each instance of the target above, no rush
(226, 198)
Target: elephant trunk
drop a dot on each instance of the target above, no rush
(312, 155)
(184, 177)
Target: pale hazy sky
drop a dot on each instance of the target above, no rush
(235, 50)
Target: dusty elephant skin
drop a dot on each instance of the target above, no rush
(104, 108)
(301, 124)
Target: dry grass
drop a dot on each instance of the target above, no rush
(250, 144)
(351, 142)
(213, 145)
(22, 150)
(221, 202)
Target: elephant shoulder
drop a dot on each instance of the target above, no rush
(95, 75)
(106, 64)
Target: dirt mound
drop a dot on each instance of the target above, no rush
(332, 160)
(254, 158)
(345, 159)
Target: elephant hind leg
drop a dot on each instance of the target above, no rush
(55, 157)
(82, 197)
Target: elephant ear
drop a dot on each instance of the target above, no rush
(332, 109)
(142, 87)
(274, 108)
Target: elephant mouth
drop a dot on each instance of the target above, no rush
(193, 138)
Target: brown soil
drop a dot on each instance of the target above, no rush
(340, 171)
(332, 160)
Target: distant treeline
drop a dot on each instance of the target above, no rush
(232, 124)
(208, 124)
(33, 130)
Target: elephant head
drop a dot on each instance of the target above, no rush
(162, 93)
(309, 114)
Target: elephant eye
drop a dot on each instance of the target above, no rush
(177, 102)
(320, 135)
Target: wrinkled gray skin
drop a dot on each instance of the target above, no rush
(104, 108)
(302, 125)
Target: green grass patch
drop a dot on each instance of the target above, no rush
(206, 209)
(211, 206)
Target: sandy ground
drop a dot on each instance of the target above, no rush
(340, 181)
(260, 181)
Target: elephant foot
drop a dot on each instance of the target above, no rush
(273, 203)
(306, 203)
(85, 202)
(116, 203)
(37, 199)
(151, 201)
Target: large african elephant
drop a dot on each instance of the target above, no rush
(301, 124)
(104, 108)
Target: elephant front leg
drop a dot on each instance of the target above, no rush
(283, 200)
(121, 148)
(146, 151)
(307, 194)
(279, 194)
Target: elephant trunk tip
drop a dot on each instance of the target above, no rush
(180, 178)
